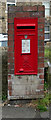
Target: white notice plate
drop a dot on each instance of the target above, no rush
(26, 46)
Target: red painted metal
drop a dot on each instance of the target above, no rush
(26, 63)
(25, 24)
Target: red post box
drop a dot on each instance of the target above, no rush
(26, 46)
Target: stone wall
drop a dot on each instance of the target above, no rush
(26, 86)
(3, 17)
(0, 17)
(24, 3)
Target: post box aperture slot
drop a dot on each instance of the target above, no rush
(25, 46)
(25, 27)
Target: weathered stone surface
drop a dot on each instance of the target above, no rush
(3, 17)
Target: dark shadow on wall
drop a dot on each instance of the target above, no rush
(4, 73)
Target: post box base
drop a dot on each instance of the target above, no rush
(27, 97)
(25, 87)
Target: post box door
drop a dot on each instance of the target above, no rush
(25, 54)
